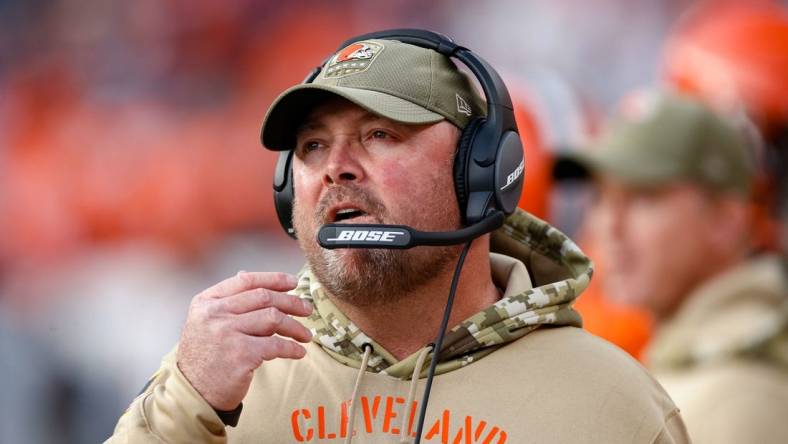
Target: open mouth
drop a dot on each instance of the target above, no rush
(346, 214)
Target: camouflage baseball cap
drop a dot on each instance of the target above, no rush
(401, 82)
(669, 138)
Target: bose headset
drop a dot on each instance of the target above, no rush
(488, 178)
(488, 165)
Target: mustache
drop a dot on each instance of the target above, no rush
(353, 193)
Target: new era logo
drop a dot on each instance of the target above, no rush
(463, 106)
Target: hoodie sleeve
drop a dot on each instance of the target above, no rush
(169, 410)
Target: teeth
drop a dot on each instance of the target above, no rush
(347, 213)
(348, 210)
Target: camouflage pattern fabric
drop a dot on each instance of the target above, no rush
(474, 338)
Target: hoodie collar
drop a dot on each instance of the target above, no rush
(538, 254)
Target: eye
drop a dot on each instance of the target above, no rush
(308, 146)
(311, 145)
(385, 135)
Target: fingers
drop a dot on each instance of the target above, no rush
(233, 327)
(260, 298)
(246, 280)
(270, 321)
(261, 312)
(273, 347)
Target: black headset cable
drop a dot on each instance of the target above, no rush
(439, 341)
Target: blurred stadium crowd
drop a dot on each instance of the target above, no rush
(131, 174)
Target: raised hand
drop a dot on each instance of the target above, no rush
(236, 325)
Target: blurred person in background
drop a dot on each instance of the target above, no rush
(374, 139)
(673, 220)
(554, 119)
(734, 56)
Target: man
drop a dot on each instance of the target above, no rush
(376, 145)
(734, 57)
(673, 222)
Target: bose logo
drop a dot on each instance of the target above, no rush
(365, 235)
(512, 178)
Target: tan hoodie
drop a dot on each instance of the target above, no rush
(519, 371)
(724, 356)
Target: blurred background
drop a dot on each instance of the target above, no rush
(131, 174)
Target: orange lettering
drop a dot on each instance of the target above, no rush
(479, 431)
(343, 420)
(445, 428)
(390, 414)
(306, 429)
(492, 434)
(433, 430)
(411, 432)
(321, 422)
(467, 429)
(297, 427)
(370, 415)
(441, 425)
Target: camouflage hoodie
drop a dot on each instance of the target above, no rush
(553, 385)
(557, 265)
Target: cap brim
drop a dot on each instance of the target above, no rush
(566, 167)
(291, 108)
(624, 166)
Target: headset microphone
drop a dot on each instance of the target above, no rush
(333, 236)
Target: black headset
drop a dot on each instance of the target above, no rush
(489, 163)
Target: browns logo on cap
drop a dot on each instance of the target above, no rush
(354, 58)
(354, 52)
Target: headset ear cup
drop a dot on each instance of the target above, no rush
(283, 192)
(461, 164)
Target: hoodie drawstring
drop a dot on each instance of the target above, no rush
(361, 370)
(414, 382)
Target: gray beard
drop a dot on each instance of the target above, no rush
(369, 277)
(377, 277)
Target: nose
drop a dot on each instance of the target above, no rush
(343, 165)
